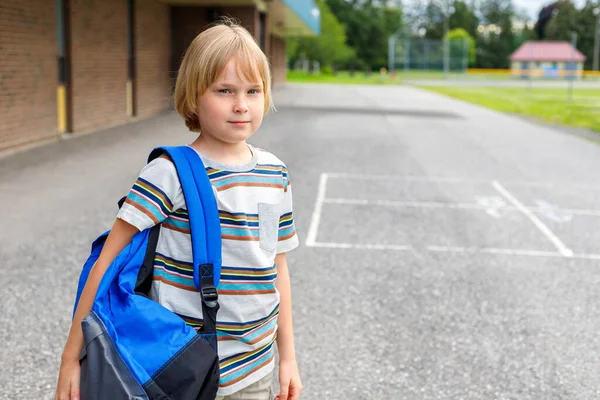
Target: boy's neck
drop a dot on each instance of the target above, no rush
(222, 152)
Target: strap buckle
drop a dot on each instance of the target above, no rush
(209, 293)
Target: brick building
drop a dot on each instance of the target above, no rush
(73, 66)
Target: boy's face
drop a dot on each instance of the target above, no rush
(232, 108)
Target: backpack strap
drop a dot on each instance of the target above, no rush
(212, 220)
(205, 230)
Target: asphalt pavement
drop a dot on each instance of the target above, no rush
(447, 251)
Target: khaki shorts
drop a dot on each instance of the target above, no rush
(261, 390)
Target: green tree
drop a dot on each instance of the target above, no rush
(464, 17)
(497, 42)
(526, 34)
(414, 17)
(586, 21)
(369, 25)
(456, 14)
(569, 19)
(328, 48)
(435, 15)
(564, 22)
(460, 34)
(524, 27)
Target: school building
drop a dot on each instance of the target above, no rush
(75, 66)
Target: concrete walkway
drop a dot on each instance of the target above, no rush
(448, 251)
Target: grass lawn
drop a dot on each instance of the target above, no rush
(343, 77)
(550, 105)
(547, 104)
(360, 78)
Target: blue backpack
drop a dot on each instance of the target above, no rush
(134, 348)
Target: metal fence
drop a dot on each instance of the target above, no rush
(428, 55)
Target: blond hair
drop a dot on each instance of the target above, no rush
(206, 57)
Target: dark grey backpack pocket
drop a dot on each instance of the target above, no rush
(102, 366)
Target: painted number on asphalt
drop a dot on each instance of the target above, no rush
(492, 205)
(553, 212)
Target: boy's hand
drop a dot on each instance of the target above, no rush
(68, 380)
(289, 381)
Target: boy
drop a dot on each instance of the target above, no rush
(222, 92)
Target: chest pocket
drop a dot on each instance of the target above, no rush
(268, 226)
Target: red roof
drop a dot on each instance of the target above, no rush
(547, 51)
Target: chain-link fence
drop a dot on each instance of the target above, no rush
(428, 55)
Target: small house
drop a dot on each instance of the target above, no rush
(547, 59)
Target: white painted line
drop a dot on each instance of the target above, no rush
(441, 204)
(564, 250)
(359, 246)
(395, 203)
(510, 252)
(587, 256)
(574, 211)
(555, 185)
(491, 250)
(342, 175)
(441, 179)
(316, 217)
(454, 249)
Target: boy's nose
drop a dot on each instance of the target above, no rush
(240, 106)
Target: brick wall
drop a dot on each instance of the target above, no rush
(153, 49)
(99, 63)
(28, 71)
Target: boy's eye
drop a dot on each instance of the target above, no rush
(224, 91)
(254, 91)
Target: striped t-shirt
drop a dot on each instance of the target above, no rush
(255, 209)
